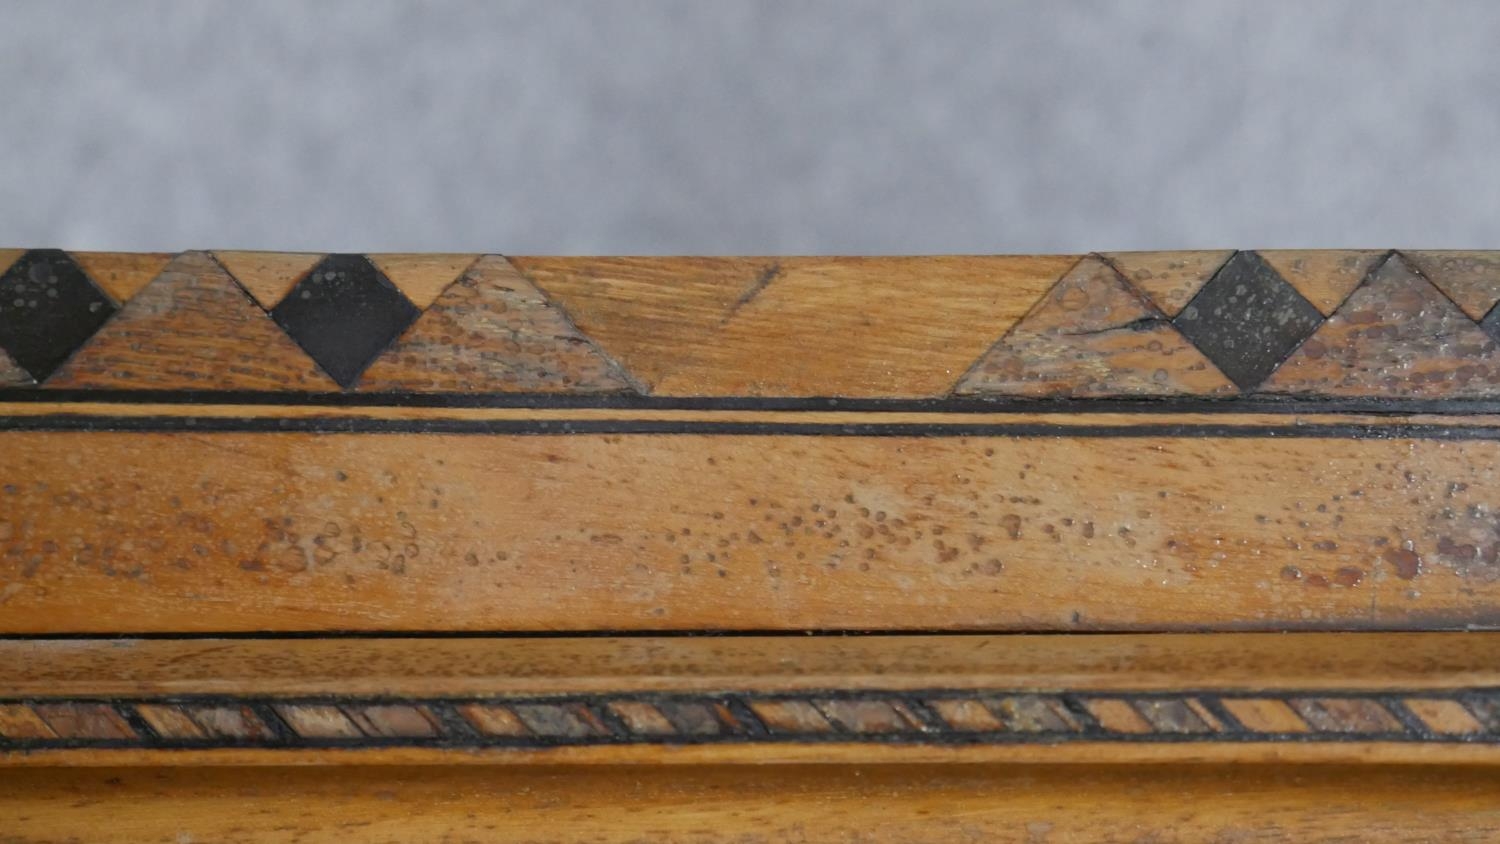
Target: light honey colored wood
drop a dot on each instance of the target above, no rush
(796, 326)
(267, 275)
(815, 803)
(121, 274)
(484, 666)
(419, 532)
(423, 277)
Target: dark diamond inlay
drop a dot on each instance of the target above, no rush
(1491, 323)
(48, 308)
(1247, 319)
(344, 312)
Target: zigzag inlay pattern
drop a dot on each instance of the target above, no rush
(1220, 324)
(923, 717)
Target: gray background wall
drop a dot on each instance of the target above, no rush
(725, 126)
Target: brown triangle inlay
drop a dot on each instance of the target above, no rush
(191, 328)
(1471, 279)
(422, 277)
(809, 326)
(1324, 277)
(122, 274)
(268, 276)
(1091, 336)
(1170, 279)
(1396, 335)
(11, 373)
(493, 331)
(650, 314)
(8, 257)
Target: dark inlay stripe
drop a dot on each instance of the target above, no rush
(553, 427)
(861, 716)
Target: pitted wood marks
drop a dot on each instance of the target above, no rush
(1170, 279)
(259, 532)
(1325, 277)
(1470, 279)
(1395, 336)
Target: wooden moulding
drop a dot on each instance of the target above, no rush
(1357, 697)
(1013, 548)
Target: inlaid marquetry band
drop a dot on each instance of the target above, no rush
(922, 717)
(1214, 324)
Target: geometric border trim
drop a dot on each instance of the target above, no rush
(1339, 323)
(936, 717)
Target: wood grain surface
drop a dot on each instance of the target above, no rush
(539, 666)
(1146, 546)
(296, 531)
(957, 803)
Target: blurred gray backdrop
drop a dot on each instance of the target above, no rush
(750, 126)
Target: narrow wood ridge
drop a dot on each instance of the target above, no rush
(1364, 324)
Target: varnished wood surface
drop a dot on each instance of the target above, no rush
(642, 532)
(759, 804)
(377, 542)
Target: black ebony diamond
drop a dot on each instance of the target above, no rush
(1491, 323)
(343, 313)
(1247, 319)
(48, 308)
